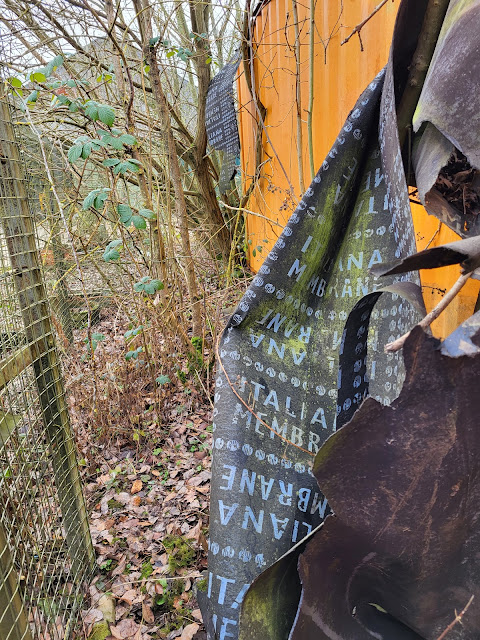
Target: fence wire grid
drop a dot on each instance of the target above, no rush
(46, 556)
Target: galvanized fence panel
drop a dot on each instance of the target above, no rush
(46, 556)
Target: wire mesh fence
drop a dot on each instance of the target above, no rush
(72, 302)
(46, 557)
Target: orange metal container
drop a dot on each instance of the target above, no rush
(340, 73)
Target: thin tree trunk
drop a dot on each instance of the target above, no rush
(298, 97)
(220, 233)
(143, 16)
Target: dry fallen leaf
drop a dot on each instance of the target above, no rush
(147, 613)
(197, 614)
(106, 605)
(125, 629)
(189, 631)
(131, 596)
(93, 615)
(136, 486)
(195, 531)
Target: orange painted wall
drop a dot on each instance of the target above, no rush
(340, 75)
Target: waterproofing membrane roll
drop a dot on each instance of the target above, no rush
(276, 388)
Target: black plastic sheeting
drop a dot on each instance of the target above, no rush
(278, 366)
(221, 120)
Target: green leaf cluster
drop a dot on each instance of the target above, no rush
(132, 333)
(83, 147)
(37, 75)
(111, 251)
(128, 217)
(133, 354)
(96, 198)
(148, 285)
(105, 77)
(116, 139)
(122, 166)
(96, 338)
(172, 50)
(102, 112)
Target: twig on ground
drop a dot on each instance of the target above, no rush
(458, 618)
(360, 26)
(396, 345)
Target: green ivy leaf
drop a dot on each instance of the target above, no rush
(149, 288)
(130, 166)
(91, 110)
(116, 143)
(87, 150)
(146, 213)
(110, 162)
(132, 333)
(96, 338)
(37, 76)
(73, 107)
(111, 252)
(133, 354)
(157, 284)
(63, 99)
(74, 154)
(125, 213)
(106, 115)
(148, 285)
(162, 380)
(15, 82)
(139, 222)
(100, 200)
(126, 138)
(33, 97)
(89, 200)
(92, 197)
(53, 64)
(120, 168)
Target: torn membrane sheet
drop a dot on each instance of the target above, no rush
(276, 391)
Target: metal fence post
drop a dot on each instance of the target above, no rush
(13, 617)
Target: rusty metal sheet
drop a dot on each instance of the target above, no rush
(400, 556)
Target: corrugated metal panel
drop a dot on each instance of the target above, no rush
(340, 75)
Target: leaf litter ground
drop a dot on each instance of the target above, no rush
(146, 473)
